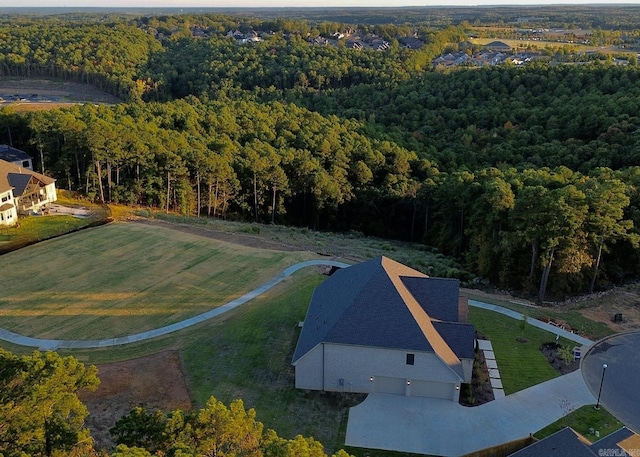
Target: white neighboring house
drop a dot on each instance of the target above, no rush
(23, 191)
(380, 326)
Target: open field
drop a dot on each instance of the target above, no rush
(540, 44)
(46, 90)
(120, 279)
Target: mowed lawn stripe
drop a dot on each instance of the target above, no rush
(126, 278)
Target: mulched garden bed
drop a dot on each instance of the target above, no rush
(479, 391)
(551, 352)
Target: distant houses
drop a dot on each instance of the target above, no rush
(488, 56)
(22, 190)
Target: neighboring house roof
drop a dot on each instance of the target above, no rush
(568, 442)
(617, 442)
(11, 154)
(497, 45)
(17, 178)
(382, 303)
(565, 442)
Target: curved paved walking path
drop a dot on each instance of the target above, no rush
(582, 341)
(49, 344)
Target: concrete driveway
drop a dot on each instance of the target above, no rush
(441, 427)
(620, 389)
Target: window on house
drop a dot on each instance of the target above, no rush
(26, 164)
(5, 198)
(410, 359)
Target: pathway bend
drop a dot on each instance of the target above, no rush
(53, 344)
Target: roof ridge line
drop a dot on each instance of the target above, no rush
(394, 270)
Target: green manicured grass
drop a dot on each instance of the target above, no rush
(581, 420)
(36, 228)
(521, 365)
(586, 327)
(120, 279)
(32, 229)
(247, 354)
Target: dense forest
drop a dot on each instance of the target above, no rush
(528, 174)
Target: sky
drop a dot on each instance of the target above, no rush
(289, 3)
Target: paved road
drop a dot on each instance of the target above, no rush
(620, 388)
(47, 344)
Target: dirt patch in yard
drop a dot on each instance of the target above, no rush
(603, 307)
(155, 382)
(598, 307)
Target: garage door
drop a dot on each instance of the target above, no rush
(390, 385)
(432, 389)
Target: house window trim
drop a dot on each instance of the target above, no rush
(410, 359)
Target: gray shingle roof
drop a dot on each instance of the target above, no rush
(436, 295)
(15, 177)
(360, 305)
(19, 182)
(11, 154)
(610, 442)
(562, 443)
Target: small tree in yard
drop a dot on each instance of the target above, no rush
(566, 354)
(522, 325)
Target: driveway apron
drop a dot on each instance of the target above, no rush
(441, 427)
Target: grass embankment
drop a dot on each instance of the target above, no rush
(32, 229)
(353, 246)
(121, 279)
(247, 354)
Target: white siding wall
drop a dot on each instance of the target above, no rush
(8, 216)
(50, 193)
(467, 369)
(309, 370)
(351, 369)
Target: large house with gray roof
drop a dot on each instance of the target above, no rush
(380, 326)
(23, 191)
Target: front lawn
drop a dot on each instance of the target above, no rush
(521, 365)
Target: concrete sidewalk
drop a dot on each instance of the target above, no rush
(582, 341)
(441, 427)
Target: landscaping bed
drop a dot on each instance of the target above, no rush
(552, 351)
